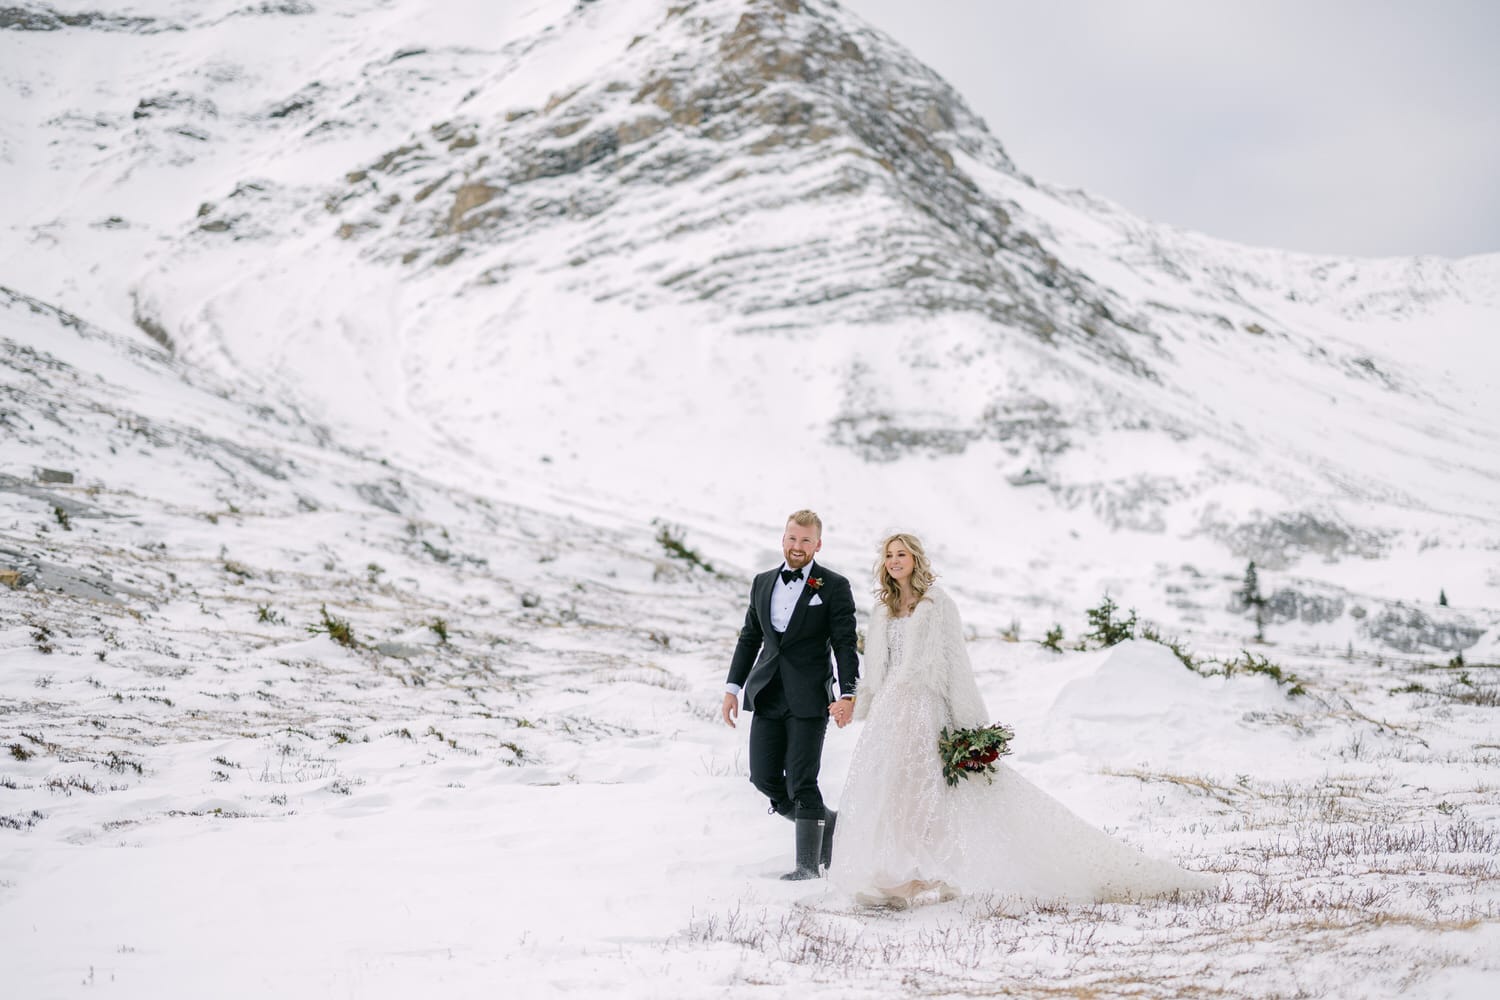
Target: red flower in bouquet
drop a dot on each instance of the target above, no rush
(973, 751)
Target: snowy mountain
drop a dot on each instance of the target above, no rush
(504, 336)
(639, 230)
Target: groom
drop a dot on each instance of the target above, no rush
(799, 613)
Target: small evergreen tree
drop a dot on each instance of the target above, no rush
(1254, 600)
(1442, 598)
(1106, 631)
(1250, 589)
(1054, 638)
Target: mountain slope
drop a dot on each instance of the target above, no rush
(509, 766)
(757, 252)
(379, 380)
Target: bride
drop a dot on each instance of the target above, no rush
(903, 834)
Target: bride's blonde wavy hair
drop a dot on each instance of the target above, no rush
(889, 592)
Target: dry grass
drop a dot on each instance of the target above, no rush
(1204, 786)
(1316, 874)
(987, 946)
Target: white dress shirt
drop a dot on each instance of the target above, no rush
(784, 598)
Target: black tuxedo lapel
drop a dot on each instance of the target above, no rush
(803, 600)
(763, 603)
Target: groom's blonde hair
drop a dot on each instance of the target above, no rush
(807, 519)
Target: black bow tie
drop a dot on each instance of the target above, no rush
(788, 575)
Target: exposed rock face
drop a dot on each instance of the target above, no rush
(1021, 424)
(39, 17)
(31, 413)
(22, 568)
(878, 438)
(467, 198)
(747, 110)
(1281, 540)
(1401, 627)
(1286, 604)
(389, 495)
(1412, 631)
(57, 501)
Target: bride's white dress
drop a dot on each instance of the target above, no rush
(903, 831)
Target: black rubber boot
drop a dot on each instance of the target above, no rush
(829, 819)
(809, 850)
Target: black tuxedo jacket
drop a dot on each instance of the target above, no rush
(801, 653)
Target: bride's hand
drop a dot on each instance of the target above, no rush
(842, 711)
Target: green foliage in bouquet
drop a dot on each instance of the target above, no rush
(973, 751)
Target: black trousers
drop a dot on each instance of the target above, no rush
(786, 753)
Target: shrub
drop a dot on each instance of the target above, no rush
(1184, 656)
(670, 539)
(1106, 631)
(22, 821)
(1054, 639)
(337, 629)
(1252, 664)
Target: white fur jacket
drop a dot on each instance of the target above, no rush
(935, 658)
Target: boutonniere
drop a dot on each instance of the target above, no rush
(815, 582)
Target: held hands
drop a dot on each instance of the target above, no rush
(842, 711)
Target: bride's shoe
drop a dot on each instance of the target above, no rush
(935, 892)
(908, 895)
(881, 901)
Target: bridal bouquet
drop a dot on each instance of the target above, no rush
(973, 751)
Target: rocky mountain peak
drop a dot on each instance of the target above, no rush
(776, 160)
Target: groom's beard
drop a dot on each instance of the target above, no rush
(794, 561)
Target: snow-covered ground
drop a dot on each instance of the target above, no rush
(200, 795)
(511, 776)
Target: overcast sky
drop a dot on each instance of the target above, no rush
(1367, 127)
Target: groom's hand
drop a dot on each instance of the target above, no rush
(842, 711)
(731, 709)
